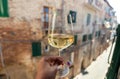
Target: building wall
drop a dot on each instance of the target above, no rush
(25, 22)
(23, 25)
(29, 9)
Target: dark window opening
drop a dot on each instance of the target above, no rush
(84, 38)
(46, 32)
(47, 48)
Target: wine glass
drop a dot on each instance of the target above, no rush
(60, 35)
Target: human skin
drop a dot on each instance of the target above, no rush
(47, 67)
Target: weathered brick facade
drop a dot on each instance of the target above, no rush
(25, 25)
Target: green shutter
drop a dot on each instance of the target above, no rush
(4, 8)
(88, 19)
(75, 39)
(36, 49)
(73, 16)
(3, 76)
(96, 34)
(90, 36)
(84, 38)
(99, 33)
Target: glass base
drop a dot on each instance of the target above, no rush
(63, 72)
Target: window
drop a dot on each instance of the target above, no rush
(90, 1)
(47, 48)
(73, 16)
(36, 49)
(75, 40)
(97, 34)
(84, 38)
(46, 17)
(4, 8)
(88, 19)
(90, 36)
(46, 9)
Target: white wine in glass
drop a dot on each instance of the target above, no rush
(60, 36)
(60, 41)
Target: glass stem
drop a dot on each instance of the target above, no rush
(59, 52)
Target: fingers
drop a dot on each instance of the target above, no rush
(59, 61)
(54, 60)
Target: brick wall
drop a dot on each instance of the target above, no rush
(16, 32)
(25, 23)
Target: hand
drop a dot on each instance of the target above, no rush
(47, 67)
